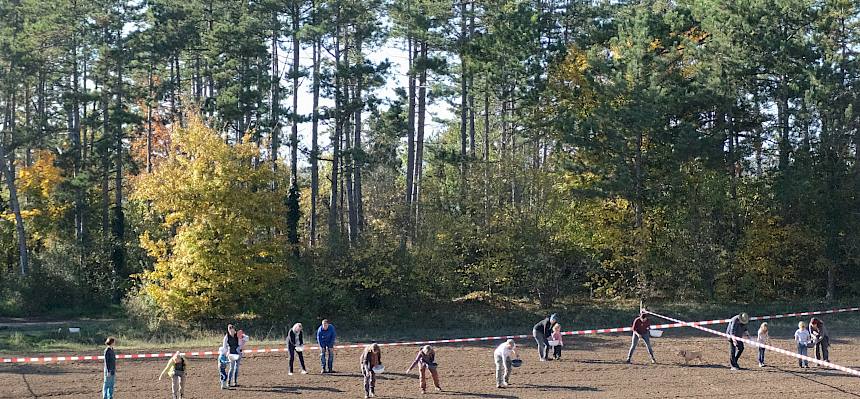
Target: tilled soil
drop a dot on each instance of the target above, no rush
(591, 367)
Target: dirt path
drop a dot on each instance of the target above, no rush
(592, 369)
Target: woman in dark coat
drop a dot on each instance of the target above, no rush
(296, 339)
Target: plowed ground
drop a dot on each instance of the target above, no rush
(592, 367)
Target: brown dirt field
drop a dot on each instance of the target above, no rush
(592, 367)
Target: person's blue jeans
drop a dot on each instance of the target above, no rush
(802, 349)
(635, 341)
(323, 351)
(542, 343)
(222, 371)
(761, 355)
(233, 375)
(107, 388)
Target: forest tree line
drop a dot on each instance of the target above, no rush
(695, 149)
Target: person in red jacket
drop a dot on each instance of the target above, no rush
(640, 330)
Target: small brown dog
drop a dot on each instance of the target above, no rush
(689, 356)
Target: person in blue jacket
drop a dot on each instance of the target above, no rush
(326, 336)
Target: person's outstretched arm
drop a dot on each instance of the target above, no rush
(169, 364)
(412, 366)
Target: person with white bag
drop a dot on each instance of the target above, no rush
(234, 353)
(371, 364)
(641, 325)
(296, 346)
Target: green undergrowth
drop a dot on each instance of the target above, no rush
(459, 319)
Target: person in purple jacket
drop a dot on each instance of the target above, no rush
(326, 336)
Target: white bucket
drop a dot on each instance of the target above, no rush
(379, 369)
(656, 333)
(554, 343)
(234, 357)
(300, 348)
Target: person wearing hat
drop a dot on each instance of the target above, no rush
(542, 331)
(370, 358)
(737, 328)
(426, 361)
(640, 330)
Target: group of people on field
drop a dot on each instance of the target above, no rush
(814, 335)
(547, 334)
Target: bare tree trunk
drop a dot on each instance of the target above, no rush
(178, 91)
(118, 253)
(333, 231)
(314, 133)
(293, 200)
(464, 95)
(472, 86)
(198, 79)
(83, 133)
(75, 136)
(8, 165)
(28, 122)
(419, 137)
(275, 96)
(150, 102)
(106, 133)
(173, 72)
(357, 145)
(9, 172)
(349, 160)
(410, 139)
(637, 175)
(486, 155)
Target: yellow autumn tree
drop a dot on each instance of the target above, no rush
(217, 248)
(38, 184)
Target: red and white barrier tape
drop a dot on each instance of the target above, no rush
(754, 318)
(53, 359)
(760, 345)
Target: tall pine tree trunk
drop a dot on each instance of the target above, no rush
(118, 253)
(75, 136)
(293, 200)
(486, 155)
(464, 95)
(8, 170)
(333, 211)
(357, 144)
(419, 137)
(315, 132)
(349, 159)
(150, 102)
(275, 96)
(410, 134)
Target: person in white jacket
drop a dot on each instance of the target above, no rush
(504, 356)
(764, 339)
